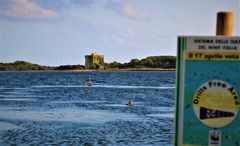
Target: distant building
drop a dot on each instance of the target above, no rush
(94, 61)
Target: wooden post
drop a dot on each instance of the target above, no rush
(225, 23)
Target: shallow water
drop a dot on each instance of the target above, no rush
(52, 108)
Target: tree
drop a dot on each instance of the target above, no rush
(94, 66)
(115, 65)
(134, 63)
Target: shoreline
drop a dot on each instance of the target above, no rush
(142, 69)
(89, 70)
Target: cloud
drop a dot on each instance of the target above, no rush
(24, 9)
(128, 35)
(83, 3)
(126, 9)
(120, 40)
(129, 11)
(59, 5)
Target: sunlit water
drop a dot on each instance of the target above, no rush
(53, 108)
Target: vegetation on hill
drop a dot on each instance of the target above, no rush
(21, 66)
(70, 67)
(149, 62)
(165, 62)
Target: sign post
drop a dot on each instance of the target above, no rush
(208, 91)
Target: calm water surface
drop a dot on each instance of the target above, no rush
(52, 108)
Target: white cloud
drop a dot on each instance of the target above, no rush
(126, 9)
(129, 11)
(128, 35)
(24, 9)
(120, 40)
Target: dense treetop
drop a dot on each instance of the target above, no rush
(149, 62)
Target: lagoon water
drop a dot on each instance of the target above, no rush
(52, 108)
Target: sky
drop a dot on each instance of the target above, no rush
(61, 32)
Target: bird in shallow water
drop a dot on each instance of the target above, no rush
(130, 103)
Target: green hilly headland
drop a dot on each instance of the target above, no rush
(164, 62)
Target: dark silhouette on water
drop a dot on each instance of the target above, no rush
(130, 103)
(87, 82)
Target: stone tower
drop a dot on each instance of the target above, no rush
(94, 61)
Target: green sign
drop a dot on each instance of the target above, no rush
(208, 91)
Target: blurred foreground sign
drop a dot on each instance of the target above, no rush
(208, 90)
